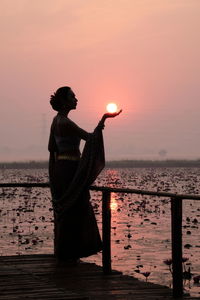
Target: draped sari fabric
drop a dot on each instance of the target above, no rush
(76, 231)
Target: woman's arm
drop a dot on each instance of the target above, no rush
(72, 128)
(106, 116)
(84, 135)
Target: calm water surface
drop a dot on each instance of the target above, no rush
(141, 237)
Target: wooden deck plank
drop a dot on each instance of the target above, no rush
(39, 277)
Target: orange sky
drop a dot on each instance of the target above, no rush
(142, 54)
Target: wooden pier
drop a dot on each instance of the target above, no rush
(39, 277)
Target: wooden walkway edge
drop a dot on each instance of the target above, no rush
(39, 277)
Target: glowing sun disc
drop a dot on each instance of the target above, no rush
(111, 107)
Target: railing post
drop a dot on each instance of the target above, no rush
(54, 235)
(176, 218)
(106, 228)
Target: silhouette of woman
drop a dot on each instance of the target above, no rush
(76, 233)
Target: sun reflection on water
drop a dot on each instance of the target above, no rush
(113, 202)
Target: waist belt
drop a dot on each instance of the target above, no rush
(66, 157)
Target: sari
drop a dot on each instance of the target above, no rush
(76, 232)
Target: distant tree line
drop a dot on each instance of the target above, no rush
(110, 164)
(153, 163)
(24, 165)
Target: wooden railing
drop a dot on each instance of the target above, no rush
(176, 225)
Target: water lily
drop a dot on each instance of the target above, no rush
(187, 274)
(184, 259)
(168, 262)
(146, 274)
(196, 279)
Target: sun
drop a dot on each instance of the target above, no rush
(111, 107)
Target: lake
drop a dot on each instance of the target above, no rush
(141, 237)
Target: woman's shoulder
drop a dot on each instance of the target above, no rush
(64, 121)
(66, 126)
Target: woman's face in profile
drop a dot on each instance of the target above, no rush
(71, 100)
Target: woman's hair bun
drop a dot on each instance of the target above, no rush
(56, 100)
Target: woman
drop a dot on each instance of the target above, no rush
(71, 174)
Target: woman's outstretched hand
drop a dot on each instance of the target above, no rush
(112, 115)
(106, 116)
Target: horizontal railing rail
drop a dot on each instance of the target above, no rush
(176, 224)
(109, 189)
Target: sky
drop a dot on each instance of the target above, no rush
(141, 54)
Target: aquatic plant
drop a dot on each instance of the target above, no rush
(146, 274)
(196, 278)
(186, 273)
(168, 262)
